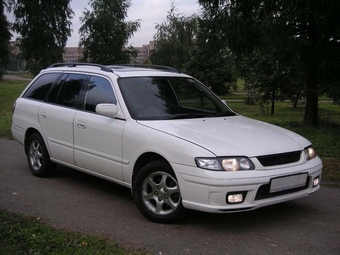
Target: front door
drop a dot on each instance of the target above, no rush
(98, 139)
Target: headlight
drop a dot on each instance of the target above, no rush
(310, 153)
(227, 164)
(208, 163)
(237, 163)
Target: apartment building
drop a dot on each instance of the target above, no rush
(143, 53)
(72, 54)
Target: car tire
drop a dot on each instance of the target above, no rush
(38, 157)
(157, 193)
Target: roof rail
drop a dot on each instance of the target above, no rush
(158, 67)
(75, 64)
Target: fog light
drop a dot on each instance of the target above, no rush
(316, 181)
(235, 197)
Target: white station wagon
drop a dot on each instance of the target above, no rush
(162, 134)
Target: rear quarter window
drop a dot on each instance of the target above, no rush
(38, 90)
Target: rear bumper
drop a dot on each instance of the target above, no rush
(18, 134)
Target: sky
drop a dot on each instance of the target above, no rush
(150, 12)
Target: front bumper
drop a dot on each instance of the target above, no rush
(207, 191)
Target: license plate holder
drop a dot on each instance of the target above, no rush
(288, 182)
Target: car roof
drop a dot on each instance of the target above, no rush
(121, 70)
(137, 72)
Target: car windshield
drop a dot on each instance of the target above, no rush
(159, 98)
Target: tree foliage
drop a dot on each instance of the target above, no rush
(268, 80)
(104, 33)
(186, 44)
(174, 39)
(4, 38)
(44, 27)
(211, 62)
(300, 35)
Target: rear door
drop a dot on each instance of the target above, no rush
(98, 139)
(57, 114)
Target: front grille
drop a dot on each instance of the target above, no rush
(263, 191)
(280, 159)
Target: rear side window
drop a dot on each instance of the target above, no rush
(41, 86)
(67, 91)
(98, 91)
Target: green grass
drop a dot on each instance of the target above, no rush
(22, 235)
(9, 91)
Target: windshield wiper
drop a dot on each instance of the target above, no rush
(190, 115)
(222, 114)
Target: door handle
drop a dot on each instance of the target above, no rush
(81, 125)
(43, 115)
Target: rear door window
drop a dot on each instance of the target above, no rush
(39, 89)
(67, 91)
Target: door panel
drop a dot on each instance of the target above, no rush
(57, 124)
(98, 144)
(98, 139)
(57, 115)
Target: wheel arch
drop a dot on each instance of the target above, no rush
(28, 133)
(143, 160)
(157, 193)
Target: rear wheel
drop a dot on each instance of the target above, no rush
(38, 158)
(157, 193)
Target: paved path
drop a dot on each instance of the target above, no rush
(79, 202)
(15, 77)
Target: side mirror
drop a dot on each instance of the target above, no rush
(109, 110)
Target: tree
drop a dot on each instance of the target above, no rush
(104, 33)
(302, 34)
(44, 27)
(175, 38)
(188, 44)
(211, 62)
(268, 80)
(4, 38)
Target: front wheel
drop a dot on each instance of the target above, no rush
(157, 193)
(38, 158)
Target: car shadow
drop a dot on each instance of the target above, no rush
(84, 180)
(284, 214)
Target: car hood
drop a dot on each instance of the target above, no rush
(236, 135)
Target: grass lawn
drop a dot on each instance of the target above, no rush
(23, 235)
(9, 91)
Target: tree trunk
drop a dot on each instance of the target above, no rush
(273, 102)
(312, 65)
(296, 99)
(311, 109)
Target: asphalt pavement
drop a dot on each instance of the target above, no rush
(79, 202)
